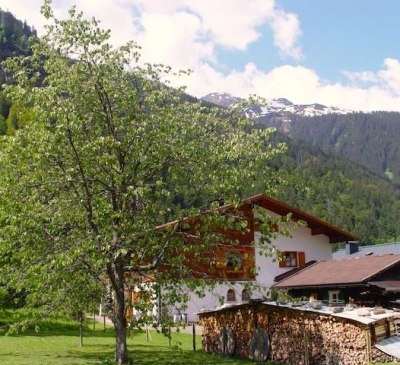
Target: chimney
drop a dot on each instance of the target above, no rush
(351, 247)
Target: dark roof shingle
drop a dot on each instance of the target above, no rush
(378, 249)
(345, 271)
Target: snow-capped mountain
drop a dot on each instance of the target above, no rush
(225, 100)
(280, 106)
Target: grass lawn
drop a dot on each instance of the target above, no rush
(57, 343)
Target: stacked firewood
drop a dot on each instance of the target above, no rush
(295, 337)
(241, 322)
(325, 339)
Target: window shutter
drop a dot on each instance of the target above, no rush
(282, 262)
(248, 259)
(301, 259)
(220, 264)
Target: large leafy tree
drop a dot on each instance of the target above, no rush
(110, 152)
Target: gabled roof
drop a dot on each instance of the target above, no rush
(359, 270)
(317, 226)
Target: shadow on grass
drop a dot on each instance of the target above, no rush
(153, 355)
(102, 352)
(177, 357)
(57, 328)
(58, 325)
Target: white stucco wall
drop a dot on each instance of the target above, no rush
(315, 247)
(211, 300)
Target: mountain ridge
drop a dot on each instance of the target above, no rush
(281, 106)
(369, 139)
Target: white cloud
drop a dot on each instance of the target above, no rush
(233, 25)
(363, 76)
(114, 14)
(177, 45)
(383, 91)
(388, 78)
(230, 24)
(189, 33)
(303, 86)
(391, 75)
(286, 28)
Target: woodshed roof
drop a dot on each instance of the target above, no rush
(357, 270)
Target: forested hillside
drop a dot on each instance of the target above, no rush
(14, 41)
(14, 36)
(340, 192)
(321, 183)
(369, 139)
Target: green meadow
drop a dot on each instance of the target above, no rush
(56, 342)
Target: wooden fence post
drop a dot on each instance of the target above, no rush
(194, 336)
(80, 317)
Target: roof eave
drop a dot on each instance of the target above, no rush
(317, 226)
(323, 286)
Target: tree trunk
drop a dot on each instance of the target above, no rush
(121, 349)
(80, 318)
(119, 320)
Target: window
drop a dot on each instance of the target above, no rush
(142, 296)
(231, 296)
(233, 260)
(245, 295)
(292, 259)
(334, 296)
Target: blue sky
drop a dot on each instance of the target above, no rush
(353, 35)
(343, 53)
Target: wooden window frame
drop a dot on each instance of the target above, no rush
(237, 262)
(287, 258)
(246, 265)
(290, 259)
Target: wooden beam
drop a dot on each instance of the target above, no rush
(318, 230)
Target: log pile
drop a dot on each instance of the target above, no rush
(241, 322)
(296, 337)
